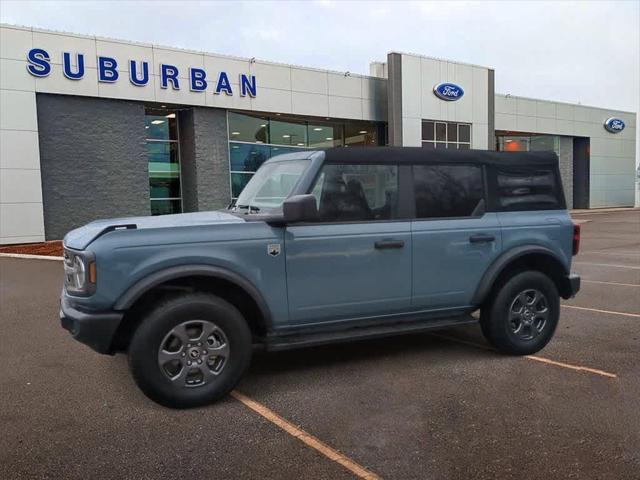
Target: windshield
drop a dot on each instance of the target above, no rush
(271, 185)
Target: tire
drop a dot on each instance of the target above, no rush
(198, 329)
(522, 314)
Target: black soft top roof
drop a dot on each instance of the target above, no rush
(412, 155)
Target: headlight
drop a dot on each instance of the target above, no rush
(79, 272)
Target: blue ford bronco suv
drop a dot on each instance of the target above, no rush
(321, 247)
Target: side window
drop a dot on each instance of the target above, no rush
(351, 193)
(447, 190)
(527, 189)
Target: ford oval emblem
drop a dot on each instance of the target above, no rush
(614, 125)
(448, 91)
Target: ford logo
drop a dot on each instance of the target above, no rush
(614, 125)
(448, 91)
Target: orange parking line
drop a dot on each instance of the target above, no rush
(305, 437)
(636, 315)
(572, 367)
(611, 283)
(533, 357)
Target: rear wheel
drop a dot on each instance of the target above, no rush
(523, 314)
(189, 351)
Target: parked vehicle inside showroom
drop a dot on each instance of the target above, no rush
(321, 247)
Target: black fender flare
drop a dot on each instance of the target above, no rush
(503, 261)
(152, 280)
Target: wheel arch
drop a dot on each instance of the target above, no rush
(526, 257)
(225, 283)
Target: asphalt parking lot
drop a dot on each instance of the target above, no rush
(430, 406)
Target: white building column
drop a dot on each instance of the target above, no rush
(21, 214)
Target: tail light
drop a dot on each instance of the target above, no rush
(576, 239)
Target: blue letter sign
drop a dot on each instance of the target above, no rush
(107, 69)
(197, 78)
(169, 73)
(74, 68)
(39, 65)
(67, 67)
(133, 73)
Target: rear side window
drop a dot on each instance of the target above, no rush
(447, 190)
(528, 189)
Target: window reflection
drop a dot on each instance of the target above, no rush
(253, 139)
(246, 128)
(163, 157)
(288, 133)
(449, 135)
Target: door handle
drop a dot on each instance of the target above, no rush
(481, 238)
(385, 244)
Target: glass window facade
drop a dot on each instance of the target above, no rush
(255, 138)
(527, 142)
(163, 155)
(450, 135)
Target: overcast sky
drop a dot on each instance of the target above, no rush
(587, 52)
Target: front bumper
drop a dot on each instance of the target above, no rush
(571, 285)
(96, 330)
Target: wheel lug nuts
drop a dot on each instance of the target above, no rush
(184, 354)
(199, 361)
(189, 362)
(204, 352)
(199, 344)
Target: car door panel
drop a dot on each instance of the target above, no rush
(348, 270)
(450, 257)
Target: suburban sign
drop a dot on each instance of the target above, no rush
(448, 91)
(614, 125)
(73, 68)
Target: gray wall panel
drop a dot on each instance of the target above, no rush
(93, 160)
(566, 168)
(210, 159)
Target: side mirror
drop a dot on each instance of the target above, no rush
(300, 208)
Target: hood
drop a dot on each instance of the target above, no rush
(81, 237)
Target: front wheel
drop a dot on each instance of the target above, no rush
(522, 316)
(190, 350)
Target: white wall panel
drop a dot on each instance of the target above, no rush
(18, 110)
(344, 86)
(14, 75)
(56, 82)
(480, 136)
(412, 132)
(271, 76)
(15, 42)
(310, 81)
(124, 89)
(19, 149)
(314, 104)
(19, 221)
(123, 52)
(18, 185)
(272, 100)
(55, 44)
(182, 60)
(545, 109)
(343, 107)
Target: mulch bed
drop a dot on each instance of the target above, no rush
(50, 249)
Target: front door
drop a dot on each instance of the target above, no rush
(355, 262)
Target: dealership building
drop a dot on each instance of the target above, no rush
(94, 127)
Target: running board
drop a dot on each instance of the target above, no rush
(308, 339)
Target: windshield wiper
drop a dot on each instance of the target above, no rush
(251, 208)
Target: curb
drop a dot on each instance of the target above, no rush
(29, 257)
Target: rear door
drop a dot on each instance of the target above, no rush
(454, 240)
(355, 262)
